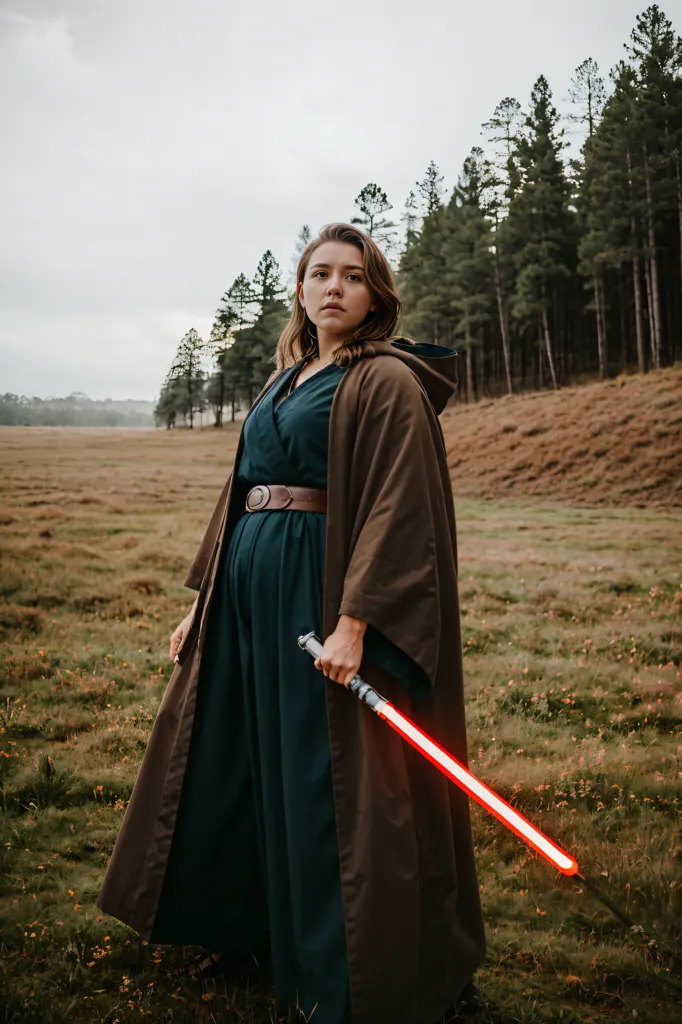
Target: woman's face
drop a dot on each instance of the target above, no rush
(335, 274)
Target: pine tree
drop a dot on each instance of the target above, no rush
(171, 401)
(218, 346)
(596, 195)
(611, 208)
(238, 306)
(186, 376)
(410, 215)
(541, 222)
(372, 202)
(430, 189)
(238, 309)
(588, 93)
(502, 179)
(469, 262)
(656, 53)
(421, 274)
(255, 345)
(422, 282)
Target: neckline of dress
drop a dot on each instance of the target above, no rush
(311, 377)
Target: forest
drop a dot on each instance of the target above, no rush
(540, 269)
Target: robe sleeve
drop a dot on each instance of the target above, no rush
(384, 653)
(399, 530)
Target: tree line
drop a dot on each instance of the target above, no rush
(76, 410)
(540, 269)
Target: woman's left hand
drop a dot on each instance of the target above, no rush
(341, 655)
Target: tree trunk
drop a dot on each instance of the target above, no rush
(604, 336)
(601, 340)
(483, 384)
(548, 346)
(639, 327)
(679, 210)
(655, 290)
(650, 310)
(221, 399)
(470, 376)
(624, 333)
(636, 282)
(503, 324)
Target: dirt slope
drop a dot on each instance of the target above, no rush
(617, 442)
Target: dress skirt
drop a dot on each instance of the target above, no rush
(254, 856)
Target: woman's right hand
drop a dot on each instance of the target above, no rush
(178, 636)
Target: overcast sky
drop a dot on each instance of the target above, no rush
(152, 151)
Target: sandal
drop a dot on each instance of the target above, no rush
(205, 965)
(239, 965)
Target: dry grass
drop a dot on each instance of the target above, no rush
(619, 442)
(571, 625)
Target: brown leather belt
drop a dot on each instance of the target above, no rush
(272, 496)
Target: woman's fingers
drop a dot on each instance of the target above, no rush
(337, 673)
(175, 642)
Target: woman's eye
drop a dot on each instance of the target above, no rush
(357, 276)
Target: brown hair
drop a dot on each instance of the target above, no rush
(299, 337)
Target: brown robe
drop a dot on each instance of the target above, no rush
(414, 927)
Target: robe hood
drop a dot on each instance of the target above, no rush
(435, 365)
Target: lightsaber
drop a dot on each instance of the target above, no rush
(463, 778)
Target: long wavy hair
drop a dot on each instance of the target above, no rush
(299, 337)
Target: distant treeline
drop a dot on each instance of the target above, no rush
(76, 410)
(537, 269)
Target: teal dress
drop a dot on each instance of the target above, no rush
(254, 856)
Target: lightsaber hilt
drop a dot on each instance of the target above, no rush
(362, 690)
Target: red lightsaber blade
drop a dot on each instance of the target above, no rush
(453, 768)
(467, 781)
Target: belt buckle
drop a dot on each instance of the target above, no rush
(255, 502)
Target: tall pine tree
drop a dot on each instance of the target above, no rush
(372, 203)
(469, 264)
(541, 227)
(502, 180)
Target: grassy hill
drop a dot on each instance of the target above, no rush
(617, 442)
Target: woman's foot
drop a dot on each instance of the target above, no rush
(467, 1004)
(205, 965)
(241, 965)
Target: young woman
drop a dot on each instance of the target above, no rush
(274, 815)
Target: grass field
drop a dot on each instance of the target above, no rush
(573, 645)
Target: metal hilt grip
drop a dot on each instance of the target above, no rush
(362, 690)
